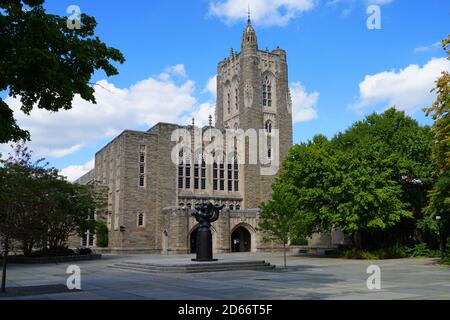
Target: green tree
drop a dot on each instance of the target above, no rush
(277, 217)
(368, 180)
(44, 63)
(101, 231)
(8, 222)
(440, 195)
(40, 209)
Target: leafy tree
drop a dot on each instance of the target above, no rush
(8, 223)
(277, 217)
(368, 181)
(40, 209)
(101, 231)
(393, 148)
(440, 111)
(44, 63)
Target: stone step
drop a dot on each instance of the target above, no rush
(193, 268)
(196, 264)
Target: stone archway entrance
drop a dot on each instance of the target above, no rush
(241, 240)
(193, 241)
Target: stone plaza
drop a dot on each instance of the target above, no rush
(307, 278)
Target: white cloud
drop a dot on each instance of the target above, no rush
(303, 103)
(265, 12)
(408, 89)
(211, 86)
(156, 99)
(75, 172)
(201, 115)
(379, 2)
(349, 5)
(178, 69)
(423, 49)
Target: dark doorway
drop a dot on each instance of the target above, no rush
(193, 240)
(241, 240)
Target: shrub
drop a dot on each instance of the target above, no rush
(101, 232)
(83, 251)
(421, 250)
(395, 252)
(57, 252)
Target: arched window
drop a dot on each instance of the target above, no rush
(228, 97)
(267, 92)
(196, 175)
(236, 98)
(236, 174)
(180, 171)
(142, 165)
(141, 220)
(203, 174)
(188, 174)
(268, 126)
(215, 176)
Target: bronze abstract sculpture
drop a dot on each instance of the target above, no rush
(205, 214)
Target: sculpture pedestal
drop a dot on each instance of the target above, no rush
(204, 245)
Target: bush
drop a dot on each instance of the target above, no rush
(101, 232)
(358, 255)
(83, 251)
(421, 250)
(58, 252)
(395, 252)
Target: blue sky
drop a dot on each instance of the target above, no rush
(339, 70)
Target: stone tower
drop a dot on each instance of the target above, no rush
(253, 93)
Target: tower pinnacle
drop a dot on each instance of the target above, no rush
(249, 37)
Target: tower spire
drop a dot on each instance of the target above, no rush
(249, 36)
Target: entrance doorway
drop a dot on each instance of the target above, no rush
(241, 240)
(193, 240)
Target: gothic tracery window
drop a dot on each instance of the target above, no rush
(268, 126)
(142, 163)
(140, 220)
(267, 92)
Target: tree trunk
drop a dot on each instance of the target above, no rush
(285, 259)
(5, 258)
(354, 246)
(444, 246)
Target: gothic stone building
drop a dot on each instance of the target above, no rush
(149, 196)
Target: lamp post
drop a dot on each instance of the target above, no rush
(441, 242)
